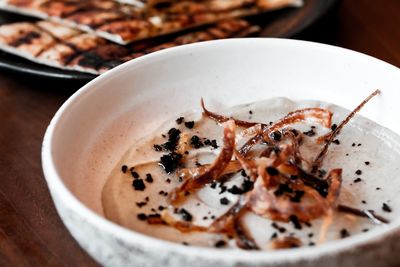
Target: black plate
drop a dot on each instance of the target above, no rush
(283, 23)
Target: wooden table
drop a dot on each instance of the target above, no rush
(31, 233)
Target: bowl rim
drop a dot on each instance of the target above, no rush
(56, 184)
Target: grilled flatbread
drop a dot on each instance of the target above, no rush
(59, 46)
(123, 23)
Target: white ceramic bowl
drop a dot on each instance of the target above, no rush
(100, 121)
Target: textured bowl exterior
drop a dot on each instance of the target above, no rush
(112, 245)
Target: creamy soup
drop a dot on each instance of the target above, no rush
(140, 186)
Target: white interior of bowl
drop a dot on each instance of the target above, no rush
(94, 128)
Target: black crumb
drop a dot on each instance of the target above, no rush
(365, 230)
(363, 201)
(378, 188)
(180, 120)
(353, 144)
(157, 148)
(344, 233)
(142, 216)
(367, 163)
(279, 228)
(272, 171)
(135, 175)
(358, 172)
(334, 126)
(170, 161)
(196, 142)
(186, 216)
(274, 235)
(311, 244)
(138, 184)
(141, 204)
(124, 168)
(220, 244)
(147, 199)
(149, 178)
(336, 141)
(189, 124)
(295, 221)
(277, 136)
(359, 145)
(310, 133)
(185, 243)
(385, 207)
(357, 180)
(224, 201)
(310, 235)
(250, 112)
(168, 180)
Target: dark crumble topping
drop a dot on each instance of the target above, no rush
(357, 180)
(189, 124)
(243, 173)
(279, 228)
(157, 148)
(336, 142)
(196, 142)
(310, 235)
(334, 126)
(186, 216)
(367, 163)
(385, 207)
(321, 173)
(272, 171)
(365, 230)
(170, 162)
(185, 243)
(311, 244)
(295, 221)
(213, 217)
(149, 178)
(124, 168)
(168, 180)
(247, 185)
(298, 194)
(173, 139)
(310, 133)
(277, 136)
(147, 199)
(161, 208)
(282, 189)
(135, 175)
(142, 216)
(274, 236)
(141, 204)
(139, 185)
(344, 233)
(220, 244)
(359, 145)
(353, 144)
(363, 201)
(180, 120)
(308, 224)
(213, 185)
(358, 172)
(224, 201)
(378, 188)
(212, 143)
(250, 112)
(205, 218)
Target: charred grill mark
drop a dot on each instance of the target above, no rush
(25, 39)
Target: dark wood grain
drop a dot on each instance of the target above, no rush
(31, 233)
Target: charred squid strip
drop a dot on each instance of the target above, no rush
(221, 119)
(264, 203)
(335, 184)
(215, 170)
(318, 160)
(322, 116)
(193, 173)
(377, 219)
(230, 224)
